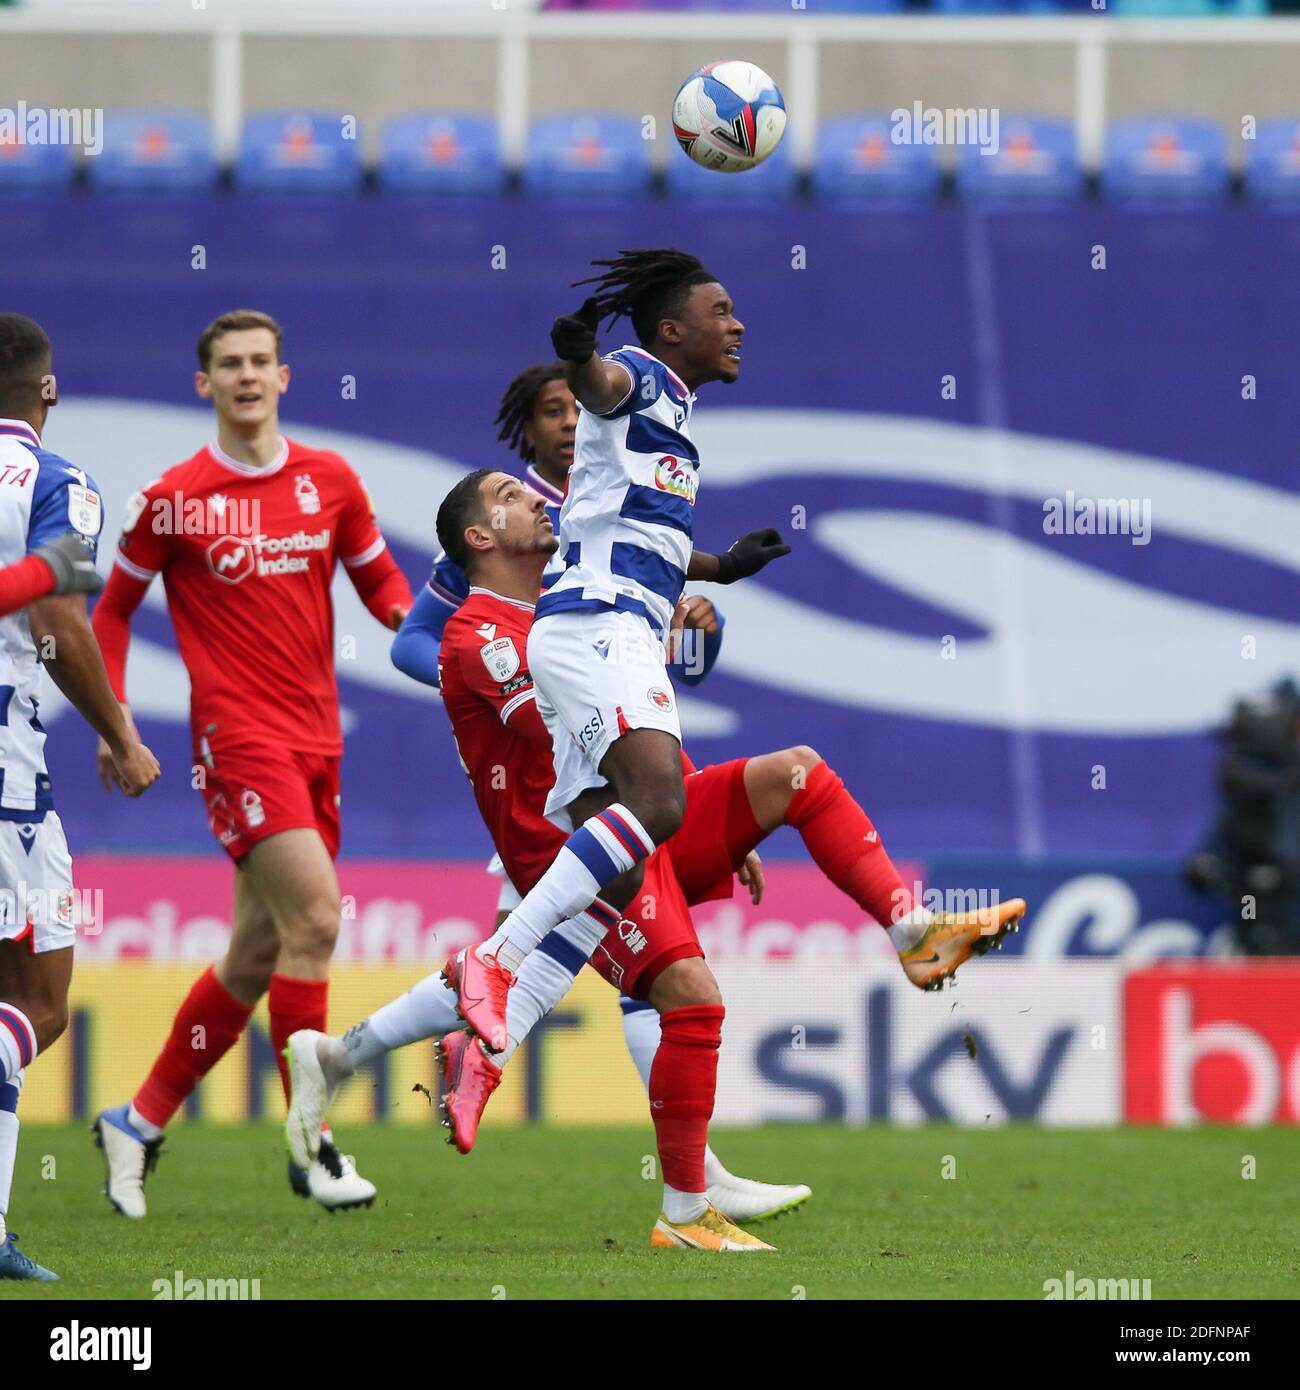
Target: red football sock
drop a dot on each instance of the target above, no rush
(207, 1026)
(683, 1079)
(294, 1004)
(846, 847)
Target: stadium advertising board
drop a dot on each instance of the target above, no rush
(1212, 1043)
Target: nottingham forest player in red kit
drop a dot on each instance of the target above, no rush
(246, 535)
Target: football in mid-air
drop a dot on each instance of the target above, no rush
(729, 116)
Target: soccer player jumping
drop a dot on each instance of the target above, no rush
(596, 650)
(246, 535)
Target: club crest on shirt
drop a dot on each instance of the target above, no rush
(661, 699)
(307, 495)
(83, 510)
(501, 658)
(677, 476)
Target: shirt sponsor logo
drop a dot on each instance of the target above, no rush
(677, 476)
(233, 558)
(586, 736)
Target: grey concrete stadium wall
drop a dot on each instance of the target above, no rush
(376, 78)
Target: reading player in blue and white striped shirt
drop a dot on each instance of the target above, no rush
(537, 420)
(596, 650)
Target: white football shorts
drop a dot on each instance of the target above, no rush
(598, 675)
(36, 884)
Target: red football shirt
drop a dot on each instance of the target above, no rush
(503, 744)
(247, 555)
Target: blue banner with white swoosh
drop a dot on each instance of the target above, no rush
(940, 409)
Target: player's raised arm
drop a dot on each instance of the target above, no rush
(67, 645)
(600, 386)
(746, 557)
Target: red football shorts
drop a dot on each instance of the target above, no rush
(655, 931)
(255, 790)
(716, 833)
(698, 864)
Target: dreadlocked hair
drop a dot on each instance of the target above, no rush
(516, 408)
(647, 286)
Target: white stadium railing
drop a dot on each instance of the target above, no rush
(226, 24)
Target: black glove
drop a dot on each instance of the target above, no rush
(74, 569)
(573, 336)
(749, 554)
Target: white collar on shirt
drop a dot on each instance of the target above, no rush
(250, 470)
(492, 593)
(19, 429)
(540, 484)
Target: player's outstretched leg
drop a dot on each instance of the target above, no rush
(953, 938)
(796, 787)
(744, 1200)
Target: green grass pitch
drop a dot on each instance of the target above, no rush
(564, 1213)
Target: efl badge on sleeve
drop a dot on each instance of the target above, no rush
(501, 658)
(84, 511)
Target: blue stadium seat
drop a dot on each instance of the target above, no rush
(1035, 162)
(1272, 173)
(441, 153)
(1167, 159)
(857, 161)
(588, 155)
(36, 168)
(775, 180)
(1188, 8)
(298, 152)
(154, 151)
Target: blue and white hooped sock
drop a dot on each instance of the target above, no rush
(595, 854)
(547, 975)
(17, 1041)
(9, 1093)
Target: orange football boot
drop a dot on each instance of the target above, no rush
(712, 1231)
(952, 938)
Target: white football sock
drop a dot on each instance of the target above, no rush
(594, 855)
(426, 1010)
(907, 931)
(147, 1128)
(17, 1041)
(684, 1206)
(641, 1033)
(9, 1092)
